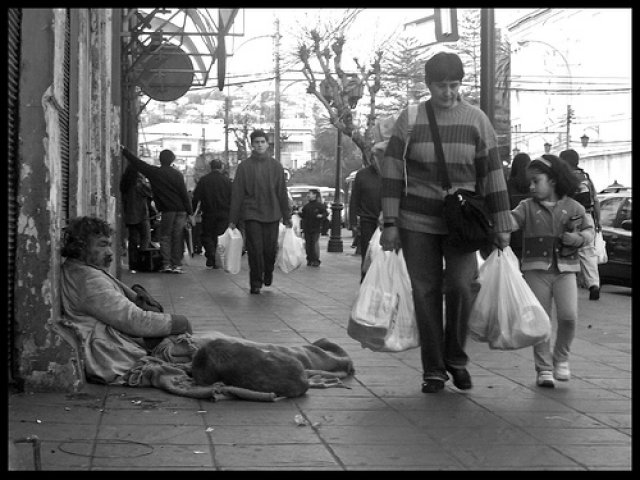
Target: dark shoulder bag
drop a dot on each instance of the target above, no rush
(465, 212)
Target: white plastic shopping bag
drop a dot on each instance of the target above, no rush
(229, 250)
(292, 254)
(383, 316)
(506, 313)
(601, 248)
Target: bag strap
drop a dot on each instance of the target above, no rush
(412, 112)
(437, 145)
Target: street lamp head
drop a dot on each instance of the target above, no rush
(584, 139)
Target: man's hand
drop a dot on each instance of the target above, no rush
(287, 223)
(232, 225)
(390, 239)
(502, 239)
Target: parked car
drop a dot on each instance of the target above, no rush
(615, 219)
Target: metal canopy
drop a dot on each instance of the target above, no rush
(196, 32)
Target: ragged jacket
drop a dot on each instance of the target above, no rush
(111, 325)
(471, 155)
(542, 227)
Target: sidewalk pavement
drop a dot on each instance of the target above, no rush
(381, 422)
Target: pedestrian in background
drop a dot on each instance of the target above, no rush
(135, 195)
(412, 201)
(313, 214)
(519, 188)
(172, 201)
(213, 192)
(365, 204)
(259, 198)
(554, 226)
(589, 276)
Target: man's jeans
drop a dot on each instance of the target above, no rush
(171, 238)
(262, 246)
(442, 346)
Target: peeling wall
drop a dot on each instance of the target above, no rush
(46, 357)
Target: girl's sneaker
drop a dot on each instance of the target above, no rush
(561, 371)
(177, 269)
(166, 269)
(545, 379)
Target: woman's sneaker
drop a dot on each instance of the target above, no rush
(166, 269)
(177, 269)
(545, 379)
(561, 371)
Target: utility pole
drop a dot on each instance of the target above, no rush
(276, 140)
(226, 129)
(487, 62)
(569, 118)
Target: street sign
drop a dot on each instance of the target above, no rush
(438, 27)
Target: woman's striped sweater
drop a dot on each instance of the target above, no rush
(471, 154)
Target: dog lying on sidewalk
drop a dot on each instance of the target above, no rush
(262, 367)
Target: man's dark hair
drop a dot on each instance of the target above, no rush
(571, 157)
(258, 133)
(77, 233)
(166, 157)
(215, 164)
(443, 66)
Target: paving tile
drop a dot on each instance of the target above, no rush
(579, 436)
(275, 456)
(375, 434)
(380, 417)
(64, 455)
(35, 413)
(272, 434)
(112, 453)
(452, 418)
(551, 419)
(603, 457)
(171, 417)
(155, 434)
(500, 434)
(399, 456)
(523, 457)
(53, 431)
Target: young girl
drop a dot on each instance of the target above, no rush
(554, 227)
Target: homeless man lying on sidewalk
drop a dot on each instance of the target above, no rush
(128, 339)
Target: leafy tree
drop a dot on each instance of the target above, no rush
(403, 74)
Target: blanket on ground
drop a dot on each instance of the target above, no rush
(219, 365)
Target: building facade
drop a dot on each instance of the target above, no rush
(571, 87)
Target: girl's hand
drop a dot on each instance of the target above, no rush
(572, 239)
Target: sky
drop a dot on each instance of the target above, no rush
(372, 26)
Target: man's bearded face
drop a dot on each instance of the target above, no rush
(98, 252)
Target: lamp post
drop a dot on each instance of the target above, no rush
(570, 93)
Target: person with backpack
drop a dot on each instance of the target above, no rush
(412, 204)
(586, 195)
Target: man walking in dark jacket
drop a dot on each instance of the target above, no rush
(313, 214)
(171, 199)
(259, 197)
(365, 204)
(213, 192)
